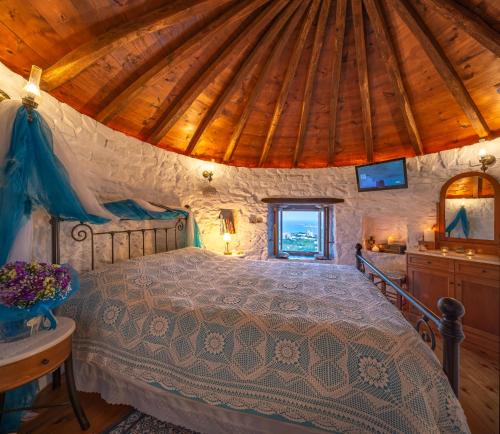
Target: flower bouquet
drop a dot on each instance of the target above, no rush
(28, 292)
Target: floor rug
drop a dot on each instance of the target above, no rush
(140, 423)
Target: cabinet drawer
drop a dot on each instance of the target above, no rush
(35, 366)
(442, 264)
(484, 271)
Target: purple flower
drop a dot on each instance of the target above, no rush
(22, 284)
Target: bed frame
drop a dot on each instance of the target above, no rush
(81, 232)
(449, 325)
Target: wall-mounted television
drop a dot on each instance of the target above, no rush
(387, 175)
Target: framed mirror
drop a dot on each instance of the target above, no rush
(469, 213)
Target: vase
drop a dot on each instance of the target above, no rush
(15, 330)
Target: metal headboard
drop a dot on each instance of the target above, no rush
(81, 232)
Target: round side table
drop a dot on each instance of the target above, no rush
(29, 359)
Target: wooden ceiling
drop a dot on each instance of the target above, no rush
(271, 83)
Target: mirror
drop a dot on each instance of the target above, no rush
(469, 213)
(470, 209)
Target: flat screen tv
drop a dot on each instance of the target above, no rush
(387, 175)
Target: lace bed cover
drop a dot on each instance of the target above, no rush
(312, 344)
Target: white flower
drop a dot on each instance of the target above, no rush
(287, 352)
(214, 343)
(111, 314)
(231, 299)
(373, 372)
(158, 326)
(289, 306)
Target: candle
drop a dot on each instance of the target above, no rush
(429, 236)
(444, 250)
(375, 248)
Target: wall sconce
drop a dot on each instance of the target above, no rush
(208, 171)
(208, 175)
(486, 160)
(32, 91)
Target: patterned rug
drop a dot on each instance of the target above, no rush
(140, 423)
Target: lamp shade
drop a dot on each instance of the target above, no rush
(227, 237)
(32, 88)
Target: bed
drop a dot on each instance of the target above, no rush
(224, 345)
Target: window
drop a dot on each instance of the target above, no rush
(301, 230)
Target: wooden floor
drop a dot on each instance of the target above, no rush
(479, 397)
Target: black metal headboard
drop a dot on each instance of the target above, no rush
(81, 232)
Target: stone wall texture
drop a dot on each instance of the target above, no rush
(119, 167)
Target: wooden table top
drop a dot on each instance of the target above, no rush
(14, 351)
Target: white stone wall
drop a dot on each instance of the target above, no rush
(121, 167)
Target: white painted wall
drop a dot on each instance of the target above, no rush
(121, 167)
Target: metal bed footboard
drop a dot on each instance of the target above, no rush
(449, 325)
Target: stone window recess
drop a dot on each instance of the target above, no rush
(301, 231)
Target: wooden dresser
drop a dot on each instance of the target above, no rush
(475, 282)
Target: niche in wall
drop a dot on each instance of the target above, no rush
(384, 228)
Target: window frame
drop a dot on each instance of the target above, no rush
(325, 224)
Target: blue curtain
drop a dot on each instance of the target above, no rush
(22, 397)
(131, 210)
(460, 217)
(33, 176)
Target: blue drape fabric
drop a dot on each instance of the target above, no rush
(460, 217)
(131, 210)
(33, 176)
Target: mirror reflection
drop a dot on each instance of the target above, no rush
(470, 209)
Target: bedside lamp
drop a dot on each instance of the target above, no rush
(227, 240)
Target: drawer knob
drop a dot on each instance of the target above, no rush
(429, 262)
(45, 361)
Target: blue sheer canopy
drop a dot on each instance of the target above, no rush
(131, 210)
(33, 176)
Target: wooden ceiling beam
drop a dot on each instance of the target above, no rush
(260, 48)
(85, 55)
(287, 81)
(212, 68)
(388, 53)
(168, 59)
(362, 66)
(261, 81)
(469, 22)
(338, 47)
(442, 65)
(311, 75)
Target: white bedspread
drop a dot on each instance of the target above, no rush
(312, 344)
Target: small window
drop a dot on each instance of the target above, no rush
(301, 231)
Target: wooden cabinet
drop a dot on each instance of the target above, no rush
(475, 284)
(429, 285)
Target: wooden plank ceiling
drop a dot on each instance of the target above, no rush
(270, 83)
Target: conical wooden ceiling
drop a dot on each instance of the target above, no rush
(272, 83)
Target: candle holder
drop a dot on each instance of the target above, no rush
(470, 253)
(444, 251)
